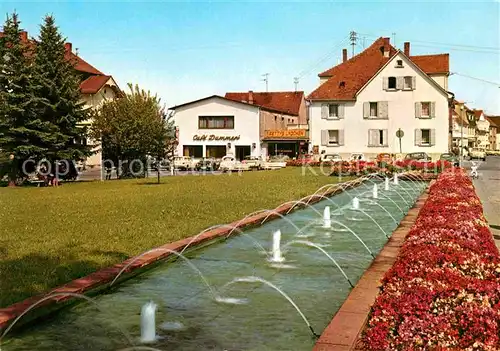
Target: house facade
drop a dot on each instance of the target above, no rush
(363, 102)
(463, 126)
(482, 130)
(283, 125)
(493, 134)
(216, 126)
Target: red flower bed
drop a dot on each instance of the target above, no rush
(443, 292)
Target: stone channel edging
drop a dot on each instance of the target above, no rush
(46, 303)
(348, 323)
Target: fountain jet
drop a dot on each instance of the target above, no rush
(396, 179)
(375, 191)
(148, 323)
(386, 184)
(355, 203)
(277, 257)
(327, 222)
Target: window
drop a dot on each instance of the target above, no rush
(392, 83)
(426, 109)
(373, 109)
(333, 137)
(377, 137)
(408, 83)
(333, 111)
(426, 136)
(399, 63)
(216, 122)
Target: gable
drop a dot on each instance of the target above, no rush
(287, 102)
(214, 103)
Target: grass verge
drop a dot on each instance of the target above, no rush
(49, 236)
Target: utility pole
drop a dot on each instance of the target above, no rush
(266, 79)
(296, 82)
(353, 37)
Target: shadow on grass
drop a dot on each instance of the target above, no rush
(35, 274)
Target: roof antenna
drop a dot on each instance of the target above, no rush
(76, 51)
(266, 79)
(296, 82)
(353, 37)
(394, 39)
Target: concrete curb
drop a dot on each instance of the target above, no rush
(348, 323)
(97, 281)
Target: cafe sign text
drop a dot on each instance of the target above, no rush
(290, 133)
(211, 137)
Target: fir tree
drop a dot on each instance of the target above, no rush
(21, 132)
(58, 91)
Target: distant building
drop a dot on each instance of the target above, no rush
(95, 88)
(494, 131)
(361, 103)
(482, 130)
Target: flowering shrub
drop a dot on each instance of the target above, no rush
(443, 291)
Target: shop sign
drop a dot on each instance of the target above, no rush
(211, 137)
(291, 133)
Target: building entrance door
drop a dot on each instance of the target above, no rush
(242, 151)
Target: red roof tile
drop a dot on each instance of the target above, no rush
(347, 78)
(477, 114)
(287, 102)
(93, 84)
(433, 64)
(81, 65)
(494, 121)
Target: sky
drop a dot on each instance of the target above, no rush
(188, 50)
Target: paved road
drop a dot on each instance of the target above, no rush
(488, 190)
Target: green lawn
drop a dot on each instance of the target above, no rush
(49, 236)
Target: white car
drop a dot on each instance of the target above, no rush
(331, 158)
(254, 162)
(184, 162)
(230, 164)
(476, 153)
(357, 157)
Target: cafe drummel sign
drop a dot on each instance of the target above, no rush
(211, 137)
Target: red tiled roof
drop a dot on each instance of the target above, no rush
(81, 65)
(287, 102)
(494, 121)
(433, 64)
(477, 114)
(347, 78)
(93, 84)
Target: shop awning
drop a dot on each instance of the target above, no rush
(286, 135)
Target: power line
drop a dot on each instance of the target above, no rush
(475, 78)
(328, 55)
(353, 37)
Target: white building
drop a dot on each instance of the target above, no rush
(362, 102)
(482, 130)
(215, 126)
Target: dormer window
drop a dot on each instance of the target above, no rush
(399, 63)
(342, 84)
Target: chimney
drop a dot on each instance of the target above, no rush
(407, 48)
(387, 46)
(24, 36)
(344, 55)
(68, 47)
(250, 97)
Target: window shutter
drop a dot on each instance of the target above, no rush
(432, 112)
(413, 83)
(383, 109)
(324, 137)
(341, 110)
(375, 137)
(370, 137)
(341, 137)
(366, 109)
(385, 83)
(385, 137)
(324, 111)
(418, 137)
(399, 83)
(433, 137)
(418, 109)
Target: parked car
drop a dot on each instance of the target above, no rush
(450, 157)
(230, 163)
(476, 153)
(418, 156)
(184, 163)
(331, 158)
(384, 157)
(357, 157)
(276, 162)
(254, 162)
(207, 164)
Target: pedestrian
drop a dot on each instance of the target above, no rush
(108, 173)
